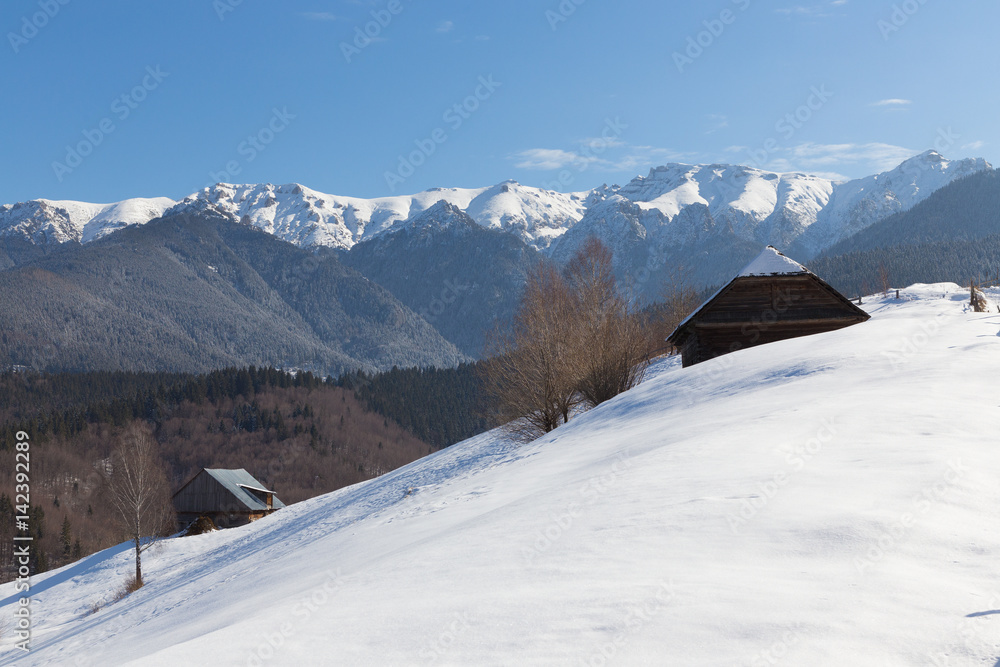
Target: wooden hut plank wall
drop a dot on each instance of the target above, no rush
(228, 497)
(773, 298)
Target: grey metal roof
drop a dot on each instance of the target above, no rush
(236, 480)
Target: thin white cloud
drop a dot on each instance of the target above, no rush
(603, 154)
(600, 143)
(482, 38)
(717, 122)
(892, 102)
(973, 146)
(545, 159)
(645, 157)
(880, 156)
(446, 26)
(816, 10)
(319, 16)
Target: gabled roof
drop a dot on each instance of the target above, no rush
(238, 482)
(768, 263)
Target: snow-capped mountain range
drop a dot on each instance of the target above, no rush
(671, 207)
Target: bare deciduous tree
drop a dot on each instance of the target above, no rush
(138, 492)
(607, 335)
(529, 376)
(678, 300)
(884, 281)
(574, 340)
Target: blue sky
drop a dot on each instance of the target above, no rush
(114, 99)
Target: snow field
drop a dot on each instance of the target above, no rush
(828, 500)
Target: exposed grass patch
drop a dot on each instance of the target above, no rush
(122, 592)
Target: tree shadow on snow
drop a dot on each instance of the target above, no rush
(70, 572)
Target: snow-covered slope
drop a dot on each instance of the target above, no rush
(829, 500)
(674, 206)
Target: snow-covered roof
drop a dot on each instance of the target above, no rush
(768, 263)
(237, 482)
(772, 263)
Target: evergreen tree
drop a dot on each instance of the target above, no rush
(66, 537)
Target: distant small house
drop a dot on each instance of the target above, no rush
(228, 497)
(772, 299)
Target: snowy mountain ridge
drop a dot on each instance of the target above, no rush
(826, 500)
(673, 205)
(678, 204)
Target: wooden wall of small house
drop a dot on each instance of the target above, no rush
(204, 494)
(776, 299)
(710, 342)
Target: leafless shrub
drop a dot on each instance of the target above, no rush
(678, 299)
(607, 335)
(574, 340)
(883, 279)
(530, 376)
(977, 299)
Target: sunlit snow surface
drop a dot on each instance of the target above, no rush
(829, 500)
(770, 262)
(674, 205)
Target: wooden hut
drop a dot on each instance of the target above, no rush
(228, 497)
(772, 298)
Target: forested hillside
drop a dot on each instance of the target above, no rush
(439, 406)
(194, 294)
(965, 210)
(954, 235)
(944, 261)
(460, 277)
(297, 433)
